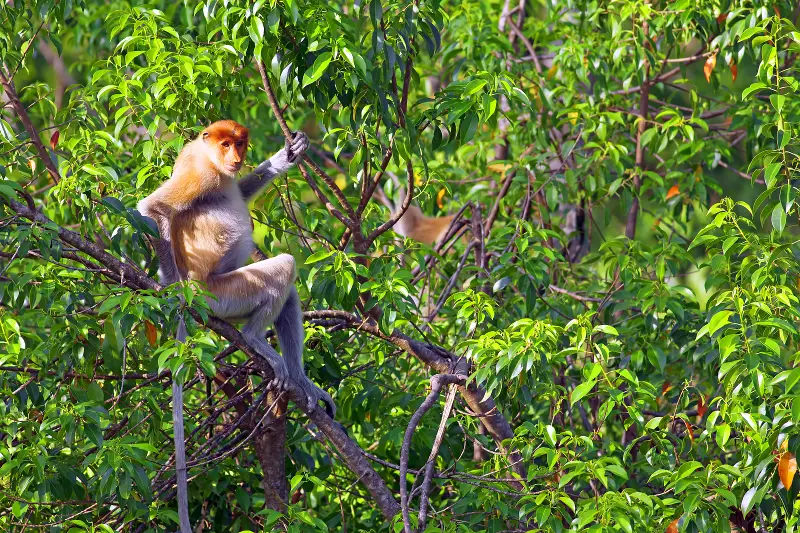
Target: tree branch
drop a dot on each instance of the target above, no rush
(135, 279)
(7, 81)
(350, 220)
(437, 382)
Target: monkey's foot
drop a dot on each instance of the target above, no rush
(280, 381)
(314, 394)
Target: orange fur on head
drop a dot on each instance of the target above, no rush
(204, 164)
(226, 142)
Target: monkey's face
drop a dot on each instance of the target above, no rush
(227, 145)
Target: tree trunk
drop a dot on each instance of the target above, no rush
(270, 448)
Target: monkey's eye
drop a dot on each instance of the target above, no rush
(239, 144)
(226, 144)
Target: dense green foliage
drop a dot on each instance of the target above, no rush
(625, 290)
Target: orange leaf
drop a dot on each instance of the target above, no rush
(777, 11)
(785, 444)
(722, 17)
(439, 198)
(708, 68)
(673, 526)
(150, 332)
(54, 139)
(673, 191)
(32, 164)
(665, 387)
(689, 430)
(701, 407)
(734, 70)
(787, 467)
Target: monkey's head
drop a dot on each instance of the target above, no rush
(226, 145)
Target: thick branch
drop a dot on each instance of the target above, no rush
(443, 362)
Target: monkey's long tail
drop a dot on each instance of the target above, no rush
(182, 481)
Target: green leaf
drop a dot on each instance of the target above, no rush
(375, 12)
(777, 101)
(318, 69)
(719, 320)
(550, 435)
(687, 468)
(748, 500)
(608, 330)
(778, 218)
(755, 87)
(319, 256)
(581, 390)
(473, 87)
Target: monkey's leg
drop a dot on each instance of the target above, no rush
(289, 327)
(256, 292)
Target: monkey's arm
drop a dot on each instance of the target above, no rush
(276, 165)
(161, 213)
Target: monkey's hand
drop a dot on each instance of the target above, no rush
(287, 157)
(314, 394)
(296, 148)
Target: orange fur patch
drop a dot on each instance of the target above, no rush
(199, 243)
(430, 230)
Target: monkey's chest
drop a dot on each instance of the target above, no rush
(209, 241)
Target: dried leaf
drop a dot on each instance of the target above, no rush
(32, 164)
(722, 17)
(701, 407)
(688, 429)
(551, 72)
(787, 467)
(150, 332)
(673, 526)
(54, 139)
(439, 198)
(708, 68)
(673, 191)
(498, 167)
(734, 70)
(573, 117)
(298, 494)
(665, 388)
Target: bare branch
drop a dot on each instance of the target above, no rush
(437, 382)
(7, 82)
